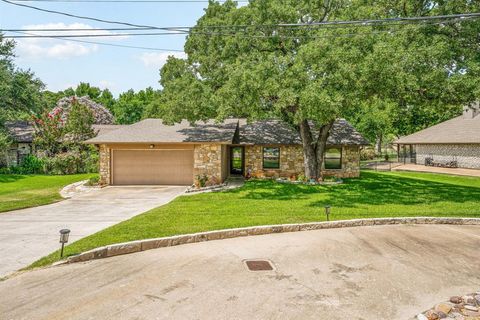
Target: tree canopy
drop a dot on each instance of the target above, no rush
(248, 66)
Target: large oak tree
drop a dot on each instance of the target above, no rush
(309, 76)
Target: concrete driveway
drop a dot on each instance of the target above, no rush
(29, 234)
(381, 272)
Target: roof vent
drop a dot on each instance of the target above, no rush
(471, 111)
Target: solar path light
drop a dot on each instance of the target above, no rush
(64, 233)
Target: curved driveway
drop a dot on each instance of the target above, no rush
(27, 235)
(380, 272)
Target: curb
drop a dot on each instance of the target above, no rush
(148, 244)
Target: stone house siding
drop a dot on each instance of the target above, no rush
(291, 162)
(350, 163)
(207, 161)
(467, 155)
(16, 153)
(104, 159)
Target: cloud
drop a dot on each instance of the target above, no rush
(58, 49)
(158, 59)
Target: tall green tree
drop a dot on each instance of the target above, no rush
(310, 76)
(131, 107)
(20, 90)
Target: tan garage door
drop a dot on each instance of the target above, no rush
(150, 167)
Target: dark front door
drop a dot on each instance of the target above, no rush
(236, 160)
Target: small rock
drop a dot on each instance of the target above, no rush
(421, 317)
(469, 300)
(456, 299)
(441, 315)
(443, 307)
(477, 298)
(432, 315)
(471, 308)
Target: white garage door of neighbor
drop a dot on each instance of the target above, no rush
(152, 167)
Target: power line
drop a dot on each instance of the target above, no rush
(233, 34)
(282, 25)
(129, 1)
(109, 44)
(90, 18)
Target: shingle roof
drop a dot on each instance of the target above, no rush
(154, 131)
(278, 132)
(20, 131)
(454, 131)
(101, 129)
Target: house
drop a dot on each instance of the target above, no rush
(150, 152)
(22, 132)
(456, 140)
(22, 135)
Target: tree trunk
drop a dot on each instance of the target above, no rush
(314, 149)
(322, 145)
(379, 144)
(309, 152)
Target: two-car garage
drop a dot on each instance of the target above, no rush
(164, 166)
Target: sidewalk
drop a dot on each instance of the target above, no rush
(453, 171)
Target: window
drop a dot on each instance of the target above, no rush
(271, 158)
(333, 158)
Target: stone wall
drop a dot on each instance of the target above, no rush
(208, 162)
(291, 162)
(467, 155)
(104, 155)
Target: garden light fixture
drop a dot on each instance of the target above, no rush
(327, 212)
(64, 233)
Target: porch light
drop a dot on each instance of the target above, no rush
(64, 233)
(327, 212)
(152, 146)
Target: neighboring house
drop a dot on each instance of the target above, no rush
(457, 140)
(150, 152)
(22, 135)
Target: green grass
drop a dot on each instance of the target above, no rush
(23, 191)
(375, 194)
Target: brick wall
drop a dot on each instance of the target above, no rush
(467, 155)
(291, 162)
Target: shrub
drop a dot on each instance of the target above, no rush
(93, 181)
(367, 154)
(31, 164)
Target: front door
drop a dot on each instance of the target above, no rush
(236, 160)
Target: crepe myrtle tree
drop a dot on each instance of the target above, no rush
(310, 76)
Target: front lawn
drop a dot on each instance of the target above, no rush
(23, 191)
(375, 194)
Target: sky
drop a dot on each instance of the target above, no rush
(62, 64)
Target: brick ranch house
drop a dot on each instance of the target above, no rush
(457, 139)
(152, 153)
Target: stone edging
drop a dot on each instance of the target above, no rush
(148, 244)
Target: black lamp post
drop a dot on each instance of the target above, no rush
(327, 212)
(64, 233)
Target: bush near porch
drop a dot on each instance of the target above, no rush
(263, 202)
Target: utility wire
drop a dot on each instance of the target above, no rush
(243, 35)
(107, 44)
(130, 1)
(90, 18)
(322, 23)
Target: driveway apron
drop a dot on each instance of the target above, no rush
(27, 235)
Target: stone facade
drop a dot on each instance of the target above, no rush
(207, 161)
(350, 163)
(104, 158)
(466, 155)
(292, 164)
